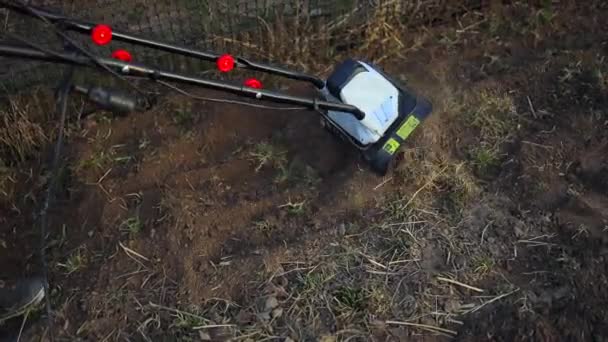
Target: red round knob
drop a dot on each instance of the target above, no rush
(253, 83)
(225, 63)
(101, 34)
(122, 55)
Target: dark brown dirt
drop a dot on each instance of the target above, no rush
(197, 194)
(212, 227)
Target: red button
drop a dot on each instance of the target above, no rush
(101, 34)
(253, 83)
(122, 55)
(225, 63)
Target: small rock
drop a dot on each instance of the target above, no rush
(276, 313)
(204, 336)
(271, 303)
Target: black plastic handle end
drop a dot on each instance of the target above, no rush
(359, 114)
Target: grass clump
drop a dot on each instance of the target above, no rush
(99, 160)
(266, 154)
(458, 183)
(20, 135)
(493, 115)
(350, 300)
(6, 180)
(103, 158)
(313, 282)
(183, 118)
(483, 265)
(74, 263)
(187, 320)
(485, 160)
(380, 301)
(183, 115)
(433, 181)
(132, 226)
(493, 118)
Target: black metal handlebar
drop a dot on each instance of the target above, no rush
(85, 27)
(139, 70)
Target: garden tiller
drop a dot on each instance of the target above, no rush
(358, 102)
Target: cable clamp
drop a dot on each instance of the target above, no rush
(315, 104)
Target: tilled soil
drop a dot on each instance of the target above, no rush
(194, 205)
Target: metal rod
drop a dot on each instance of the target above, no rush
(155, 74)
(85, 27)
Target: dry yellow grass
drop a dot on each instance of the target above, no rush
(7, 182)
(20, 134)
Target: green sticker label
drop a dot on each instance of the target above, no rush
(408, 127)
(391, 146)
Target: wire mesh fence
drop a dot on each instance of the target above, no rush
(295, 33)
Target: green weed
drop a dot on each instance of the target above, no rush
(266, 154)
(485, 159)
(285, 174)
(103, 159)
(132, 226)
(184, 115)
(183, 118)
(497, 24)
(350, 299)
(188, 321)
(297, 173)
(544, 16)
(74, 263)
(483, 265)
(313, 282)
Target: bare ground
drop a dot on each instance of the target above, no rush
(197, 222)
